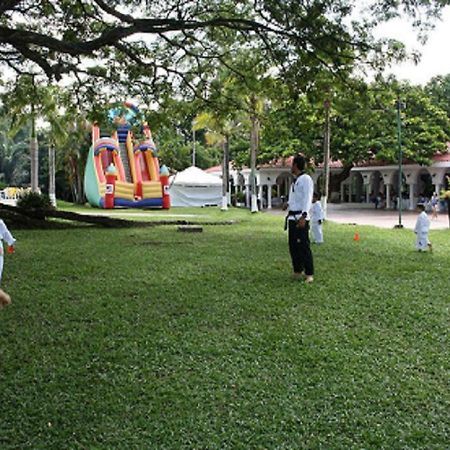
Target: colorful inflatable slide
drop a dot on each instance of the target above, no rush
(122, 171)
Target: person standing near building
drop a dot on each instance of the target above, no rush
(422, 228)
(297, 220)
(434, 205)
(317, 218)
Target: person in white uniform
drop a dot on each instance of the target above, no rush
(317, 218)
(422, 228)
(297, 220)
(6, 236)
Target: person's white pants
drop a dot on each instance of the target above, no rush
(1, 267)
(317, 234)
(422, 241)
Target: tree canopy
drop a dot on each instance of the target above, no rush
(146, 44)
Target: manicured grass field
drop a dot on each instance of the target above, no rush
(153, 339)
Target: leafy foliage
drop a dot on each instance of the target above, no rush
(184, 41)
(34, 200)
(363, 123)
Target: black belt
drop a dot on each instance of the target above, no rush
(290, 213)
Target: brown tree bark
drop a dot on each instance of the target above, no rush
(38, 218)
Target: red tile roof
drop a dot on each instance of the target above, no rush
(287, 162)
(277, 163)
(214, 169)
(442, 157)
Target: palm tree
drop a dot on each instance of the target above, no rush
(219, 131)
(27, 102)
(255, 108)
(75, 153)
(13, 155)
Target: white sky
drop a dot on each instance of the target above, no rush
(435, 58)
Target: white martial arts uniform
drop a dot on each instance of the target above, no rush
(421, 229)
(300, 196)
(316, 227)
(6, 236)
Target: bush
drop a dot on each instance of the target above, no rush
(239, 197)
(34, 200)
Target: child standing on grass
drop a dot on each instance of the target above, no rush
(422, 228)
(316, 220)
(6, 236)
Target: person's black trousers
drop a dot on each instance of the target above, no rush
(299, 248)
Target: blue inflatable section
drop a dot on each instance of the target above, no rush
(147, 202)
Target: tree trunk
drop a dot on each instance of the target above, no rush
(326, 158)
(254, 142)
(80, 191)
(76, 181)
(38, 218)
(225, 172)
(51, 175)
(337, 179)
(34, 156)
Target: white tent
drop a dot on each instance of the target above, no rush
(195, 187)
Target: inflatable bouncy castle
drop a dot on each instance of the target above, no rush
(123, 170)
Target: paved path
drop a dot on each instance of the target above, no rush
(377, 217)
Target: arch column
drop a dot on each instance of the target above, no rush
(437, 177)
(388, 195)
(260, 196)
(269, 196)
(388, 179)
(367, 178)
(247, 195)
(411, 176)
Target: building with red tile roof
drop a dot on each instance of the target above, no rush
(366, 181)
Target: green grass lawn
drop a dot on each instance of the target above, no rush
(207, 214)
(153, 339)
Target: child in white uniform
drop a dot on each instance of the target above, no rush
(6, 236)
(422, 228)
(316, 220)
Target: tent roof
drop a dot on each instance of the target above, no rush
(193, 176)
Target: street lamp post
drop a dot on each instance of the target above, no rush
(399, 106)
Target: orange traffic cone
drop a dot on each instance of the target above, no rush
(356, 236)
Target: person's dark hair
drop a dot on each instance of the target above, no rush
(421, 206)
(299, 161)
(317, 195)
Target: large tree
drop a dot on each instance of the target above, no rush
(144, 44)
